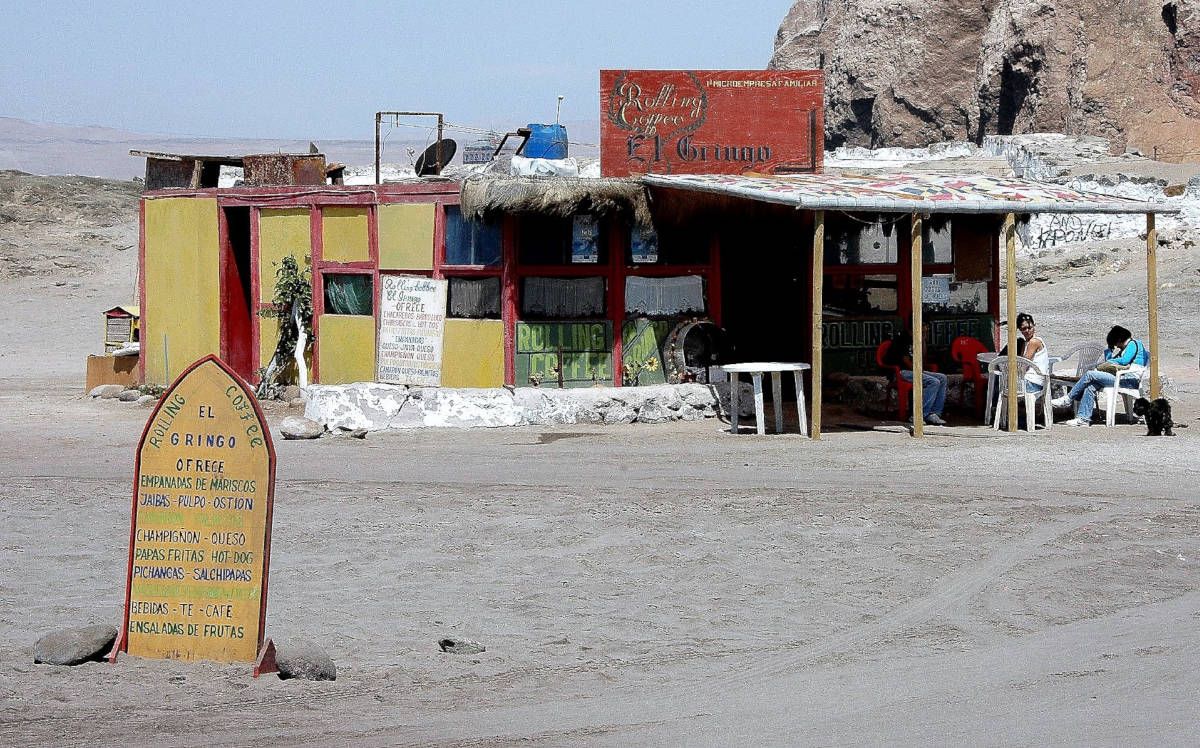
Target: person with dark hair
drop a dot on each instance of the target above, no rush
(1126, 359)
(1035, 350)
(933, 383)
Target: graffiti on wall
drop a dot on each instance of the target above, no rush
(1068, 229)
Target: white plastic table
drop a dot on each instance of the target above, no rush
(756, 371)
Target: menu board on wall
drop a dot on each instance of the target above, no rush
(412, 321)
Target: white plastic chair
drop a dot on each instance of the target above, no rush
(1128, 393)
(998, 369)
(1086, 355)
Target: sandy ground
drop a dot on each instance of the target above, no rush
(662, 585)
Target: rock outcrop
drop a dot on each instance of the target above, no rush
(912, 72)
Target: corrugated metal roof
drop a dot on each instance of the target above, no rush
(908, 193)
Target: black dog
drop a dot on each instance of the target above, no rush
(1157, 413)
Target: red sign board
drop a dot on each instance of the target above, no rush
(711, 121)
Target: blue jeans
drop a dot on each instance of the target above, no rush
(1089, 386)
(933, 392)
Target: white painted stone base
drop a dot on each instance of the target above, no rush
(376, 407)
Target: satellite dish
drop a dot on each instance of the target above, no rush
(429, 163)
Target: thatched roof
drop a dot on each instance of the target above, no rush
(485, 196)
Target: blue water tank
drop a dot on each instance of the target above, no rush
(546, 141)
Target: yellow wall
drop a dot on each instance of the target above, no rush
(268, 339)
(344, 235)
(183, 287)
(281, 232)
(473, 353)
(347, 348)
(406, 236)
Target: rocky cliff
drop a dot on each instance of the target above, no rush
(911, 72)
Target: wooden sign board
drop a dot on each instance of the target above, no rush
(200, 534)
(711, 121)
(581, 352)
(850, 343)
(412, 322)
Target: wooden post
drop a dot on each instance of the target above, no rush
(1010, 268)
(818, 306)
(1152, 300)
(916, 258)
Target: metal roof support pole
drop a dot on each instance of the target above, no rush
(378, 119)
(441, 162)
(1152, 301)
(818, 305)
(1010, 279)
(916, 264)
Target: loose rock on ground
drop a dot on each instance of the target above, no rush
(461, 646)
(298, 427)
(75, 646)
(304, 660)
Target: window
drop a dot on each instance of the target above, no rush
(863, 242)
(850, 295)
(548, 240)
(562, 298)
(474, 298)
(471, 242)
(349, 293)
(659, 297)
(936, 245)
(543, 240)
(680, 244)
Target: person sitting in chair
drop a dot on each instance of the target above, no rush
(933, 383)
(1034, 350)
(1125, 357)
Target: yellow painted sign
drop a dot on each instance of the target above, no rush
(200, 538)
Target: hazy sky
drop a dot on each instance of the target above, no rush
(321, 70)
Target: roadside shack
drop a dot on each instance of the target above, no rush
(713, 238)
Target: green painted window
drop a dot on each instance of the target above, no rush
(349, 293)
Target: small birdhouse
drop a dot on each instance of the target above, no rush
(121, 326)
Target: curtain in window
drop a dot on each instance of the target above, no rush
(474, 298)
(660, 296)
(563, 298)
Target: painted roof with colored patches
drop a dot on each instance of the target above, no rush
(908, 193)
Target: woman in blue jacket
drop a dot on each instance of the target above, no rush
(1130, 358)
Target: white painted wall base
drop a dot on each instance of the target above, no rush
(376, 407)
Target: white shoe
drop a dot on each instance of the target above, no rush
(1060, 402)
(1076, 422)
(933, 419)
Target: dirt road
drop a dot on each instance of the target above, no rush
(642, 585)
